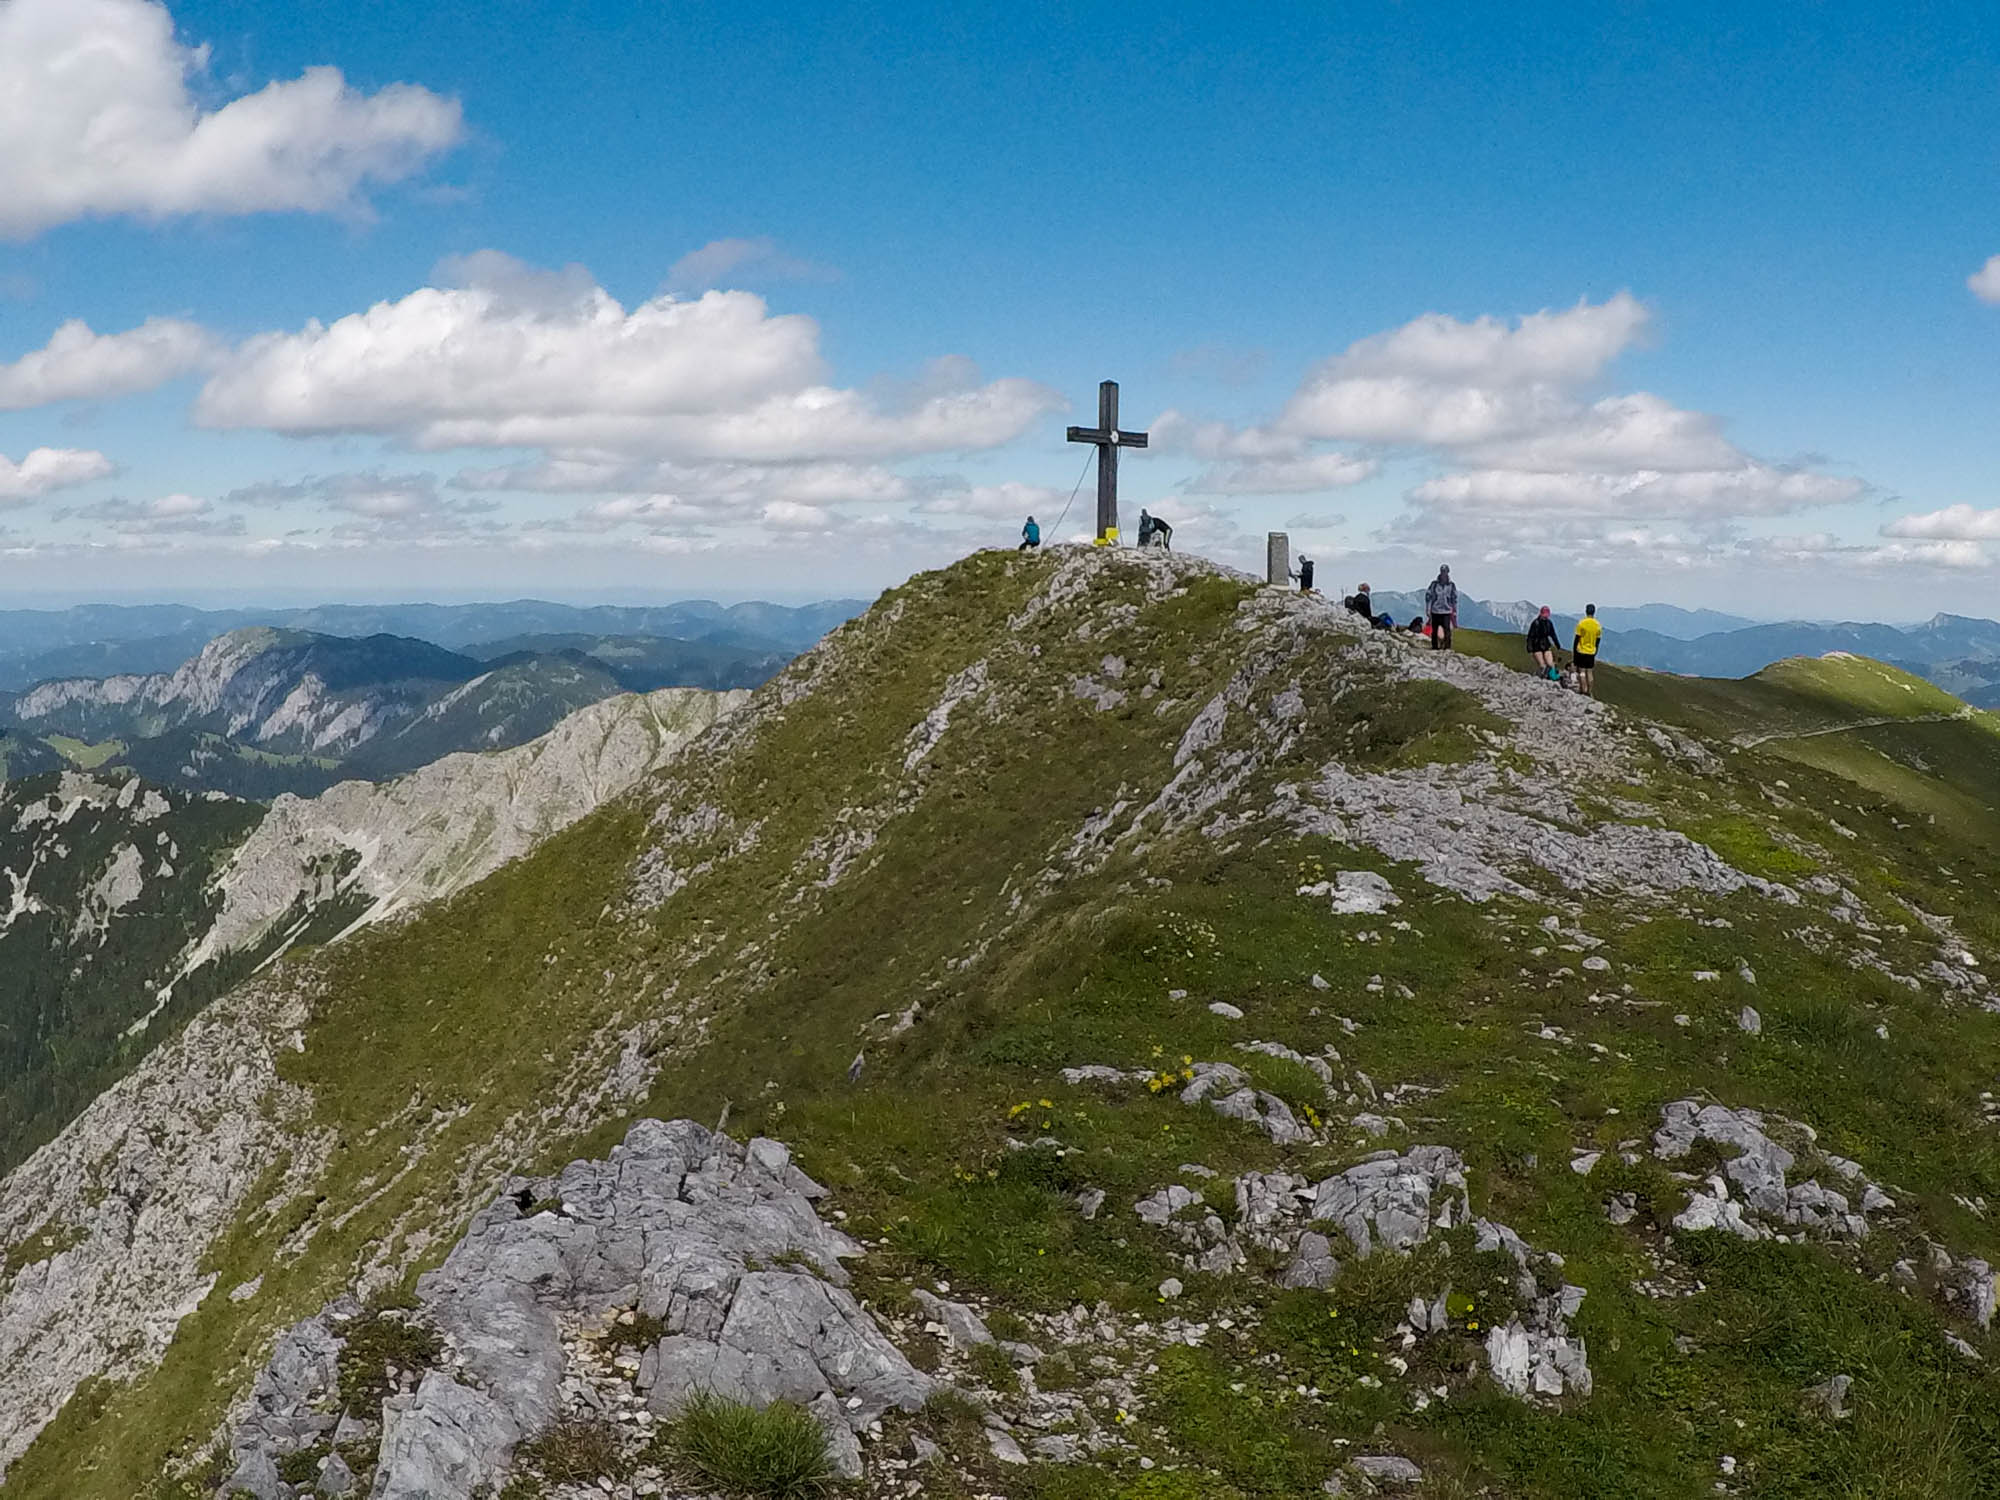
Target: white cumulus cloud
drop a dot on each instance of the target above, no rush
(1009, 500)
(1985, 282)
(1255, 460)
(1955, 523)
(79, 365)
(47, 469)
(97, 118)
(1530, 457)
(519, 358)
(1749, 489)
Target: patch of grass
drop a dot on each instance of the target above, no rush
(1254, 1438)
(302, 1467)
(641, 1333)
(81, 753)
(1299, 1086)
(994, 1370)
(1392, 725)
(1749, 846)
(777, 1452)
(376, 1342)
(45, 1244)
(577, 1450)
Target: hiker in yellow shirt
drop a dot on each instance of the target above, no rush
(1588, 634)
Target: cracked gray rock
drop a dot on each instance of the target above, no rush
(1758, 1173)
(720, 1242)
(1394, 1200)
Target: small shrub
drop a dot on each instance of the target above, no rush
(1058, 1373)
(641, 1333)
(376, 1341)
(992, 1367)
(1299, 1086)
(301, 1467)
(777, 1453)
(577, 1450)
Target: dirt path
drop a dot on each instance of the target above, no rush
(1751, 741)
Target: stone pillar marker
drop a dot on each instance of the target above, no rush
(1278, 558)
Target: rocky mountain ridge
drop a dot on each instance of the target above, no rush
(1307, 1059)
(130, 905)
(257, 712)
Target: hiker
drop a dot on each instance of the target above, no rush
(1304, 574)
(1588, 634)
(1031, 536)
(1155, 532)
(1441, 604)
(1384, 621)
(1542, 645)
(1361, 603)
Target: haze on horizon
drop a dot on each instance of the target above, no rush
(787, 303)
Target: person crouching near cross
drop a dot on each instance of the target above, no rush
(1153, 532)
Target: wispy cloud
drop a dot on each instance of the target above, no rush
(754, 261)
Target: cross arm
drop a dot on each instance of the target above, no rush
(1117, 438)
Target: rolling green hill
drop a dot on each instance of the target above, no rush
(972, 904)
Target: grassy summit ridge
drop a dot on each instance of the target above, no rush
(1030, 814)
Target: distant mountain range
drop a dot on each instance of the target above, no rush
(104, 640)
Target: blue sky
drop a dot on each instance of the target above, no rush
(1618, 302)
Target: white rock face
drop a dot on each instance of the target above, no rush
(128, 1200)
(455, 821)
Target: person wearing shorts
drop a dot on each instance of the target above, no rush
(1542, 645)
(1588, 636)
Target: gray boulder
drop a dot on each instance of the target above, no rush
(443, 1443)
(1395, 1200)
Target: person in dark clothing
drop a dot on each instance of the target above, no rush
(1031, 536)
(1361, 603)
(1542, 644)
(1441, 604)
(1305, 574)
(1153, 532)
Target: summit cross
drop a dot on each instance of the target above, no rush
(1109, 440)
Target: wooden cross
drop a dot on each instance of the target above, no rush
(1109, 440)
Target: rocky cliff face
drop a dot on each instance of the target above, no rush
(1253, 1053)
(380, 849)
(259, 710)
(128, 906)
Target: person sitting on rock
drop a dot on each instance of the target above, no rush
(1542, 645)
(1361, 603)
